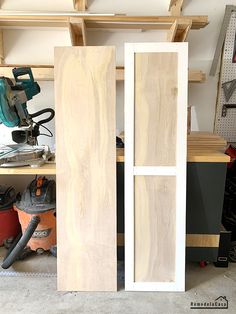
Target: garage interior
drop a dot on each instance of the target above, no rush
(117, 156)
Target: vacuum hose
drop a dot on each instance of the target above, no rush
(18, 246)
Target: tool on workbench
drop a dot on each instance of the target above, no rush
(36, 209)
(229, 88)
(9, 222)
(14, 113)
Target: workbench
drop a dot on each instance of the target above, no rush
(206, 172)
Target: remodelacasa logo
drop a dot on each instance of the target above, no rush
(219, 303)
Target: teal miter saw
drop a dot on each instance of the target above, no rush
(14, 113)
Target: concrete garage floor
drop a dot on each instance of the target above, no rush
(29, 295)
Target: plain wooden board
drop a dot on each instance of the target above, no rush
(155, 108)
(202, 240)
(47, 169)
(86, 168)
(156, 80)
(45, 19)
(46, 72)
(155, 228)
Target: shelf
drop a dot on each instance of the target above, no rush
(200, 152)
(46, 73)
(47, 169)
(108, 21)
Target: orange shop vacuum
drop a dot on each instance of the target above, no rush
(36, 209)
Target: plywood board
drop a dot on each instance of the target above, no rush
(156, 80)
(154, 216)
(86, 168)
(156, 95)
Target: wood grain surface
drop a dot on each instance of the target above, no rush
(86, 168)
(155, 108)
(155, 228)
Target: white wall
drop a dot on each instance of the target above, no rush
(36, 46)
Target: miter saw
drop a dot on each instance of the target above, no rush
(14, 113)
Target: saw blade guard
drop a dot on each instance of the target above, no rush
(8, 115)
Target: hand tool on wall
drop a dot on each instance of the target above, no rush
(229, 88)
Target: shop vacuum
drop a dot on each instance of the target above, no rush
(36, 209)
(9, 222)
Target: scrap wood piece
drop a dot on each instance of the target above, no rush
(175, 7)
(179, 30)
(77, 31)
(80, 5)
(228, 11)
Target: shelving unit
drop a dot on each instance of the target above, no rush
(176, 25)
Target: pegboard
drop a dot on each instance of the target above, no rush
(226, 126)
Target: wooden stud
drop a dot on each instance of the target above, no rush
(179, 30)
(171, 33)
(1, 47)
(183, 31)
(175, 7)
(80, 5)
(77, 31)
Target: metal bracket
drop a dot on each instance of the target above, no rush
(226, 107)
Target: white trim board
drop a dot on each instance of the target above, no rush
(178, 170)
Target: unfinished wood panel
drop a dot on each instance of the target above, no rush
(155, 228)
(155, 165)
(155, 108)
(86, 168)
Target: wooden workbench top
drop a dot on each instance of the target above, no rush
(202, 147)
